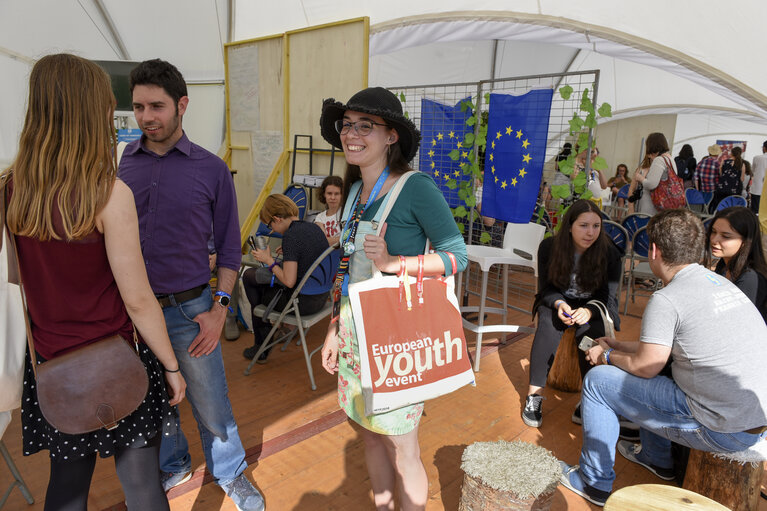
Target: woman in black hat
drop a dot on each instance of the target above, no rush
(378, 142)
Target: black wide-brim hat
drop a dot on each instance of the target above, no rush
(376, 101)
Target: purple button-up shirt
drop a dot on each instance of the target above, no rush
(183, 198)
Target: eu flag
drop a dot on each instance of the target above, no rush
(443, 128)
(517, 129)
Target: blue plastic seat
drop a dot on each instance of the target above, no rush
(730, 201)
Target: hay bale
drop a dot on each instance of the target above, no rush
(508, 476)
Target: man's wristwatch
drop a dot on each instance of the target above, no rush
(222, 298)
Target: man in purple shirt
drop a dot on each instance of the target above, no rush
(184, 197)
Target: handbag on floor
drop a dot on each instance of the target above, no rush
(90, 388)
(410, 335)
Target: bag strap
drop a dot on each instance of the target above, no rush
(391, 198)
(14, 275)
(669, 165)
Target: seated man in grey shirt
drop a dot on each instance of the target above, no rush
(717, 398)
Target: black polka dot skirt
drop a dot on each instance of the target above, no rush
(133, 431)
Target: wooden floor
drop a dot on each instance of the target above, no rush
(305, 455)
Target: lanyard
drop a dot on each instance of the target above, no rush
(347, 240)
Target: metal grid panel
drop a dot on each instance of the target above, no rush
(413, 99)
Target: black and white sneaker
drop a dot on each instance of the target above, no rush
(632, 452)
(531, 414)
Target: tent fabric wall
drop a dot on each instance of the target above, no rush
(715, 73)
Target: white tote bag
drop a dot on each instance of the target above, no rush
(13, 337)
(607, 321)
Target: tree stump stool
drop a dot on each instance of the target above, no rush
(565, 373)
(730, 483)
(653, 497)
(508, 476)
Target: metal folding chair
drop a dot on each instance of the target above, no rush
(639, 267)
(620, 238)
(697, 201)
(317, 280)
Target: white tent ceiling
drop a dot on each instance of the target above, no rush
(655, 56)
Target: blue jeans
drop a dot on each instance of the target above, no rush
(658, 405)
(207, 392)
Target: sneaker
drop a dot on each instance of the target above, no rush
(576, 417)
(571, 479)
(244, 494)
(531, 415)
(632, 451)
(172, 479)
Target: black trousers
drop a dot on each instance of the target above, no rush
(547, 336)
(138, 470)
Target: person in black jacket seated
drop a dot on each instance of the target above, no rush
(580, 263)
(302, 243)
(734, 238)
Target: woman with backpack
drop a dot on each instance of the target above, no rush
(731, 176)
(685, 164)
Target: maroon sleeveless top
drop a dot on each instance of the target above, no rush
(72, 296)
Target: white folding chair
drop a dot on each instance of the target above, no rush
(317, 280)
(520, 247)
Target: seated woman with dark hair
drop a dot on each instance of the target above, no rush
(734, 238)
(577, 265)
(332, 195)
(302, 243)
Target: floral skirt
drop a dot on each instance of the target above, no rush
(131, 432)
(350, 398)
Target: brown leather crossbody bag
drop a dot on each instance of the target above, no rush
(87, 389)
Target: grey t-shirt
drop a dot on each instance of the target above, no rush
(718, 342)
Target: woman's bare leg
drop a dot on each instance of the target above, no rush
(380, 469)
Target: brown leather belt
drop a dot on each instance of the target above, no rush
(183, 296)
(756, 431)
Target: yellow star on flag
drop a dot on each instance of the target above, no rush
(464, 154)
(493, 144)
(493, 169)
(527, 158)
(498, 135)
(431, 165)
(522, 172)
(459, 144)
(439, 136)
(491, 156)
(446, 175)
(514, 181)
(525, 144)
(433, 142)
(508, 130)
(496, 179)
(457, 173)
(431, 153)
(436, 173)
(451, 134)
(504, 185)
(519, 133)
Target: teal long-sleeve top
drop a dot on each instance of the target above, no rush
(420, 213)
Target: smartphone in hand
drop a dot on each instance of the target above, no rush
(586, 343)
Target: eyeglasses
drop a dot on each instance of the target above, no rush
(363, 128)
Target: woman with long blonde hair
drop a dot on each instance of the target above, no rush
(76, 232)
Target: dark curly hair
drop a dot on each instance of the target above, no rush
(593, 261)
(330, 181)
(162, 74)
